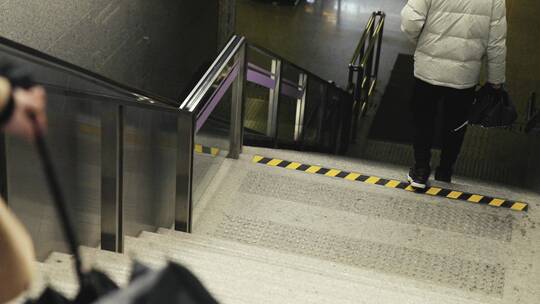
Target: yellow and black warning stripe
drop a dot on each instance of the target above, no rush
(389, 183)
(206, 150)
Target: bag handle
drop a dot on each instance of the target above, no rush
(58, 197)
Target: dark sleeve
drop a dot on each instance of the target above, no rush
(18, 78)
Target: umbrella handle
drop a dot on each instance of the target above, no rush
(58, 197)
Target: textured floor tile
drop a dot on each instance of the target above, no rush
(395, 208)
(450, 271)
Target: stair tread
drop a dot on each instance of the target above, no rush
(238, 275)
(389, 171)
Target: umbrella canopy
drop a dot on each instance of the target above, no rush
(173, 284)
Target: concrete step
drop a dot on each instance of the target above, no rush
(236, 273)
(269, 235)
(457, 248)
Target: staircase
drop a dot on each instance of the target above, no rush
(315, 229)
(271, 235)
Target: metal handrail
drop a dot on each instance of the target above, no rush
(365, 66)
(358, 54)
(374, 37)
(32, 55)
(113, 99)
(362, 42)
(226, 73)
(329, 117)
(138, 101)
(192, 101)
(312, 75)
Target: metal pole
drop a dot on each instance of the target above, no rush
(112, 155)
(350, 85)
(358, 102)
(300, 108)
(379, 45)
(321, 110)
(369, 65)
(346, 104)
(237, 121)
(271, 128)
(184, 173)
(305, 126)
(335, 121)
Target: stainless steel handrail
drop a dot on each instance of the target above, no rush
(269, 53)
(112, 99)
(332, 133)
(137, 100)
(375, 36)
(196, 95)
(364, 66)
(362, 42)
(226, 72)
(31, 55)
(360, 55)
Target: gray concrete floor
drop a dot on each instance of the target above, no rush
(271, 235)
(456, 249)
(321, 36)
(233, 271)
(298, 238)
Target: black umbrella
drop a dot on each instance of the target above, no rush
(173, 284)
(93, 284)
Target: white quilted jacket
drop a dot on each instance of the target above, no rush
(453, 37)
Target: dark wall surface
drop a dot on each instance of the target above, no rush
(523, 76)
(157, 45)
(227, 21)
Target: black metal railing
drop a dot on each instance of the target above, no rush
(290, 107)
(533, 116)
(364, 67)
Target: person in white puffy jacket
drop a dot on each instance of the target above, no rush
(453, 39)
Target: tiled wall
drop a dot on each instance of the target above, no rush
(154, 45)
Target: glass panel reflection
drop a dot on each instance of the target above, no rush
(75, 105)
(211, 148)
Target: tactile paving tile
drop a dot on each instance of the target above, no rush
(450, 271)
(468, 164)
(437, 216)
(472, 198)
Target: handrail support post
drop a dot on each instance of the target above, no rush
(271, 128)
(237, 106)
(112, 156)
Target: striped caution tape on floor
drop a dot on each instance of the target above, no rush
(206, 150)
(389, 183)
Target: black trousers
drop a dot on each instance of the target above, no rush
(455, 108)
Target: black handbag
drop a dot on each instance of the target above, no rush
(492, 108)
